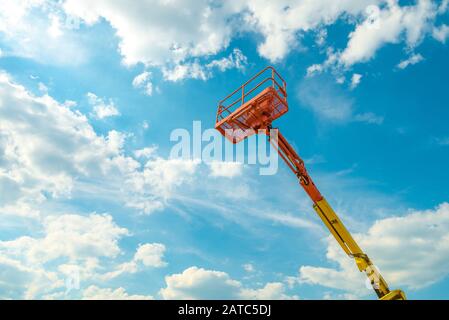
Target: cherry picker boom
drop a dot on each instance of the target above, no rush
(251, 109)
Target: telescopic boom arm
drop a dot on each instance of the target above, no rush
(253, 107)
(332, 222)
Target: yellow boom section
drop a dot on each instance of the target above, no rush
(333, 222)
(347, 242)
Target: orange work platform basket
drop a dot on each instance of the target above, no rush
(253, 106)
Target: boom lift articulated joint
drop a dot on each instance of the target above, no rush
(267, 104)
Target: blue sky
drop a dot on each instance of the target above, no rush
(92, 206)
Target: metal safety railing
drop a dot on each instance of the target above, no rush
(269, 77)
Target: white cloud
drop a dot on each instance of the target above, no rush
(369, 117)
(147, 255)
(320, 38)
(225, 169)
(70, 103)
(69, 244)
(203, 29)
(42, 87)
(72, 246)
(151, 255)
(74, 237)
(411, 251)
(412, 60)
(153, 186)
(386, 25)
(314, 69)
(236, 60)
(290, 220)
(192, 70)
(143, 81)
(54, 30)
(331, 62)
(315, 159)
(195, 70)
(340, 79)
(50, 152)
(197, 283)
(147, 33)
(28, 158)
(101, 108)
(248, 267)
(271, 291)
(146, 153)
(355, 80)
(23, 281)
(155, 41)
(96, 293)
(36, 29)
(342, 296)
(280, 22)
(443, 6)
(441, 33)
(20, 209)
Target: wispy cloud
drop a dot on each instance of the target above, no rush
(412, 60)
(442, 141)
(143, 81)
(100, 108)
(355, 80)
(329, 102)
